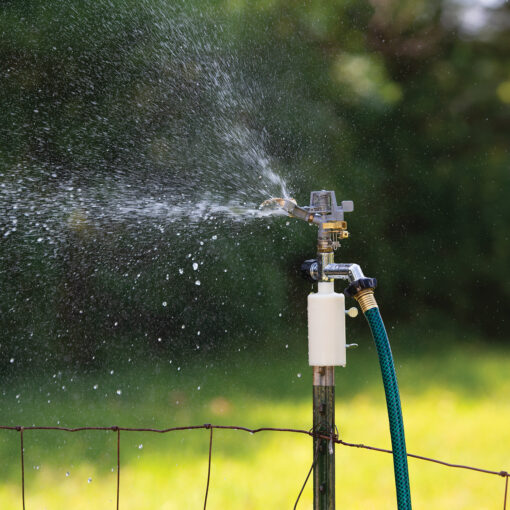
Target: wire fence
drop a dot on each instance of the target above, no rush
(334, 439)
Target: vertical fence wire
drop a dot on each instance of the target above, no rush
(506, 492)
(118, 466)
(22, 455)
(210, 427)
(316, 455)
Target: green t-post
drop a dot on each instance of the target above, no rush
(324, 449)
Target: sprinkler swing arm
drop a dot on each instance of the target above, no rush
(327, 342)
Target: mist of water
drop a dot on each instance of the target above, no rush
(203, 160)
(145, 185)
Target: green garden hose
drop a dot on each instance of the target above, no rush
(398, 441)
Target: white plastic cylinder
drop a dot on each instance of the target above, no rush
(326, 327)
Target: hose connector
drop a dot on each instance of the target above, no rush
(366, 300)
(362, 290)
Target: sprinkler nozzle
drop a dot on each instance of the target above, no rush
(289, 205)
(280, 202)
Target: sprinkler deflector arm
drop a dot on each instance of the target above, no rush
(300, 213)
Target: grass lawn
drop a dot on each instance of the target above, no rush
(456, 402)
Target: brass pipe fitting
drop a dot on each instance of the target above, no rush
(366, 300)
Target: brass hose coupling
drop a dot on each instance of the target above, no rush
(362, 290)
(366, 300)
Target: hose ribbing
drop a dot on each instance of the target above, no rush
(398, 442)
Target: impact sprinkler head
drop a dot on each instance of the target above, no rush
(323, 211)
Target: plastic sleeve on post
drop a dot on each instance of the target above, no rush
(326, 327)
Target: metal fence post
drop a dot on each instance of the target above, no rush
(324, 449)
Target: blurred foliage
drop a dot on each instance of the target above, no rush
(395, 104)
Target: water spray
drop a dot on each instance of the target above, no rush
(327, 342)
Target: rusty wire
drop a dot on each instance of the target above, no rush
(22, 466)
(506, 492)
(334, 438)
(315, 457)
(118, 467)
(211, 428)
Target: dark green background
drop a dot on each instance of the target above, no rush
(392, 104)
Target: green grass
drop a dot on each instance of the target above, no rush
(455, 400)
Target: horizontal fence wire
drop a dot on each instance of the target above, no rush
(210, 427)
